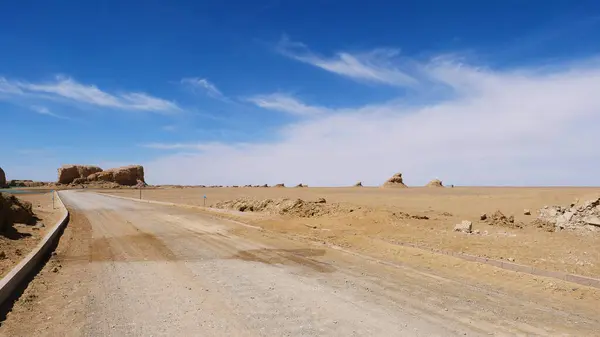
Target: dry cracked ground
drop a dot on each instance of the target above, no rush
(124, 268)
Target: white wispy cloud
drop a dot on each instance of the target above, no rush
(67, 89)
(378, 66)
(7, 87)
(42, 110)
(530, 126)
(142, 101)
(205, 85)
(286, 103)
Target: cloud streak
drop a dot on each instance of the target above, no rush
(205, 85)
(377, 66)
(513, 127)
(67, 89)
(42, 110)
(286, 103)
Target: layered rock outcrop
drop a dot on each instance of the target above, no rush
(126, 175)
(68, 173)
(86, 174)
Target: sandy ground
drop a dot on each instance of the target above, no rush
(17, 243)
(382, 217)
(134, 269)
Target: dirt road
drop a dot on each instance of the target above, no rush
(132, 269)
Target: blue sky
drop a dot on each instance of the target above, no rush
(319, 92)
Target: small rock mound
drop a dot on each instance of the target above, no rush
(435, 183)
(279, 185)
(13, 210)
(301, 185)
(358, 184)
(584, 215)
(2, 178)
(292, 207)
(395, 181)
(499, 219)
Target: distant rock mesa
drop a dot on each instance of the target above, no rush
(126, 175)
(85, 174)
(68, 173)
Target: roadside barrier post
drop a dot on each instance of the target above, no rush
(140, 185)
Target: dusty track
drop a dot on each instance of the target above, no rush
(131, 269)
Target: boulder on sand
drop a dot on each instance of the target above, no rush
(465, 226)
(280, 185)
(2, 178)
(126, 175)
(435, 183)
(395, 181)
(68, 173)
(358, 184)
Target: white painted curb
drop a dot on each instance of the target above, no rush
(13, 279)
